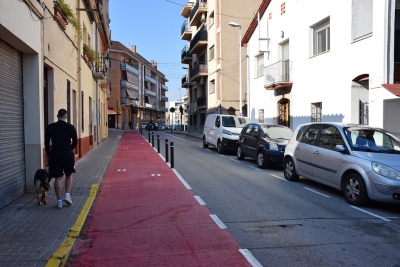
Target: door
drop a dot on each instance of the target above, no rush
(283, 112)
(245, 140)
(111, 121)
(214, 130)
(285, 62)
(12, 138)
(253, 139)
(326, 160)
(304, 152)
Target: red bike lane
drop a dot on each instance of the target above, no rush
(144, 216)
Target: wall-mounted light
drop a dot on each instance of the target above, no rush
(282, 34)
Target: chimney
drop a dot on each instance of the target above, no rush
(153, 63)
(133, 48)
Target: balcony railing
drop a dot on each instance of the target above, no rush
(200, 68)
(200, 36)
(129, 68)
(278, 75)
(202, 101)
(164, 87)
(164, 99)
(100, 68)
(184, 27)
(200, 3)
(149, 92)
(129, 85)
(185, 80)
(149, 79)
(185, 55)
(127, 101)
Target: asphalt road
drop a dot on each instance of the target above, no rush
(286, 223)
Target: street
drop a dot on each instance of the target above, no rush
(286, 223)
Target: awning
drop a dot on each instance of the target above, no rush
(361, 78)
(393, 88)
(110, 111)
(133, 94)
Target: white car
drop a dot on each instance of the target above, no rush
(222, 131)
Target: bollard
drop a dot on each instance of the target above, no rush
(141, 131)
(149, 136)
(152, 139)
(158, 143)
(172, 155)
(166, 150)
(171, 128)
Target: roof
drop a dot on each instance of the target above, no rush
(254, 22)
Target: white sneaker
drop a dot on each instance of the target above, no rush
(59, 203)
(68, 199)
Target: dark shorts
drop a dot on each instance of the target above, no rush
(60, 162)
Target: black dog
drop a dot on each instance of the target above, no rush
(42, 185)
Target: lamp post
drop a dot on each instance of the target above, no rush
(234, 24)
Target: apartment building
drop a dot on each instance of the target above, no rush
(45, 66)
(212, 55)
(338, 63)
(138, 92)
(175, 118)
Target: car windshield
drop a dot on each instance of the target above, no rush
(235, 122)
(372, 140)
(277, 132)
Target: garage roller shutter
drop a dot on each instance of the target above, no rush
(12, 144)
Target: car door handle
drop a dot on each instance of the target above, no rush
(316, 152)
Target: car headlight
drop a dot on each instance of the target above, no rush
(273, 147)
(226, 132)
(385, 170)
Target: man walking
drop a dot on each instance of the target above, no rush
(63, 139)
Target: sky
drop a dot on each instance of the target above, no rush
(154, 26)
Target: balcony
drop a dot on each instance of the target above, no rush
(199, 71)
(199, 42)
(198, 9)
(129, 68)
(129, 85)
(186, 32)
(149, 79)
(164, 99)
(278, 75)
(151, 106)
(150, 93)
(185, 12)
(100, 69)
(164, 87)
(186, 56)
(128, 101)
(185, 80)
(164, 110)
(202, 102)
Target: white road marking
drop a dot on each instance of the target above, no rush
(235, 160)
(153, 174)
(253, 167)
(158, 174)
(316, 192)
(218, 221)
(118, 170)
(182, 180)
(177, 137)
(250, 258)
(222, 155)
(201, 202)
(200, 146)
(276, 176)
(124, 170)
(372, 214)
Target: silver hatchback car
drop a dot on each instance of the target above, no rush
(361, 161)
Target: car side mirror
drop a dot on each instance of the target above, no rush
(340, 148)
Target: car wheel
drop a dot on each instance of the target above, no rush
(290, 170)
(220, 149)
(204, 142)
(239, 154)
(355, 190)
(261, 160)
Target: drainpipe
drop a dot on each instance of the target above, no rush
(79, 85)
(97, 89)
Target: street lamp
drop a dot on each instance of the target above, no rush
(234, 24)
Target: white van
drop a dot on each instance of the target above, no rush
(222, 131)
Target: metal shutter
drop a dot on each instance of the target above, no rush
(12, 143)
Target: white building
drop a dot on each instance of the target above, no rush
(325, 61)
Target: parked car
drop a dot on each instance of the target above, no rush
(161, 127)
(177, 127)
(264, 142)
(361, 161)
(222, 131)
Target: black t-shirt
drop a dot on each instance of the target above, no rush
(60, 133)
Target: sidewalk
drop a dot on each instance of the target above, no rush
(145, 216)
(29, 233)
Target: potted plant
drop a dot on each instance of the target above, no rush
(64, 15)
(90, 55)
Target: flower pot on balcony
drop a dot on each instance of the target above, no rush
(60, 17)
(87, 60)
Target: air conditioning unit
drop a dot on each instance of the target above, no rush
(203, 17)
(201, 81)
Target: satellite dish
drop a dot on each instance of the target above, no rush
(270, 78)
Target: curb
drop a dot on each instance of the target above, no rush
(60, 256)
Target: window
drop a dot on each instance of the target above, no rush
(69, 101)
(212, 86)
(211, 53)
(364, 112)
(321, 37)
(310, 135)
(327, 136)
(211, 19)
(316, 112)
(283, 9)
(260, 66)
(270, 16)
(256, 131)
(195, 119)
(248, 130)
(261, 115)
